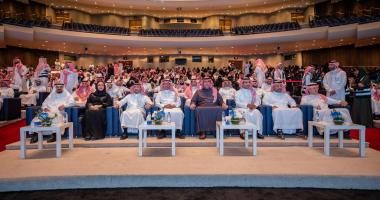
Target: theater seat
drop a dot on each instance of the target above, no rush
(11, 109)
(41, 97)
(266, 111)
(189, 122)
(307, 114)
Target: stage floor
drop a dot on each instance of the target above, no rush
(283, 165)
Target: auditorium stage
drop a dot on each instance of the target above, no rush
(112, 163)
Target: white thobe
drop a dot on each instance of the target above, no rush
(165, 97)
(227, 93)
(32, 96)
(246, 68)
(55, 100)
(279, 75)
(244, 97)
(266, 87)
(306, 79)
(147, 87)
(5, 92)
(260, 76)
(117, 92)
(193, 90)
(375, 103)
(285, 118)
(324, 113)
(72, 80)
(335, 80)
(134, 115)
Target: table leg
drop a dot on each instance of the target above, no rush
(217, 136)
(22, 144)
(140, 142)
(145, 137)
(58, 142)
(254, 145)
(246, 135)
(310, 135)
(40, 140)
(71, 137)
(173, 142)
(362, 142)
(340, 135)
(221, 140)
(327, 141)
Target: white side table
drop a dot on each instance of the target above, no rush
(57, 128)
(143, 128)
(331, 126)
(220, 127)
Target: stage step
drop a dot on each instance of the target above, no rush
(290, 141)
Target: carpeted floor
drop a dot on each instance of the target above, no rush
(10, 133)
(194, 193)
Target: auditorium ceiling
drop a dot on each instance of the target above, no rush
(178, 8)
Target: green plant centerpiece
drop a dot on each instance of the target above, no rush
(235, 119)
(337, 117)
(158, 117)
(45, 118)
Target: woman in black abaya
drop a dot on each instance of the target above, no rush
(95, 115)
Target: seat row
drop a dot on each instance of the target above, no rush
(113, 128)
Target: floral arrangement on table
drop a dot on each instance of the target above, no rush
(235, 117)
(337, 117)
(45, 118)
(158, 117)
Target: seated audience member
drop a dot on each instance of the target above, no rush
(55, 104)
(82, 93)
(208, 106)
(320, 104)
(267, 85)
(285, 120)
(135, 114)
(33, 93)
(247, 100)
(5, 91)
(95, 116)
(191, 89)
(168, 100)
(227, 91)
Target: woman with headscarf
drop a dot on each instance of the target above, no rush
(361, 106)
(42, 71)
(95, 116)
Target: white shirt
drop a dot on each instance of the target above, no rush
(165, 97)
(244, 97)
(335, 80)
(227, 93)
(135, 101)
(278, 99)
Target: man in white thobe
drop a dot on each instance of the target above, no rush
(55, 104)
(5, 91)
(335, 81)
(33, 93)
(19, 72)
(190, 90)
(279, 74)
(227, 91)
(247, 100)
(134, 115)
(69, 76)
(320, 104)
(168, 100)
(267, 85)
(285, 120)
(116, 90)
(260, 70)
